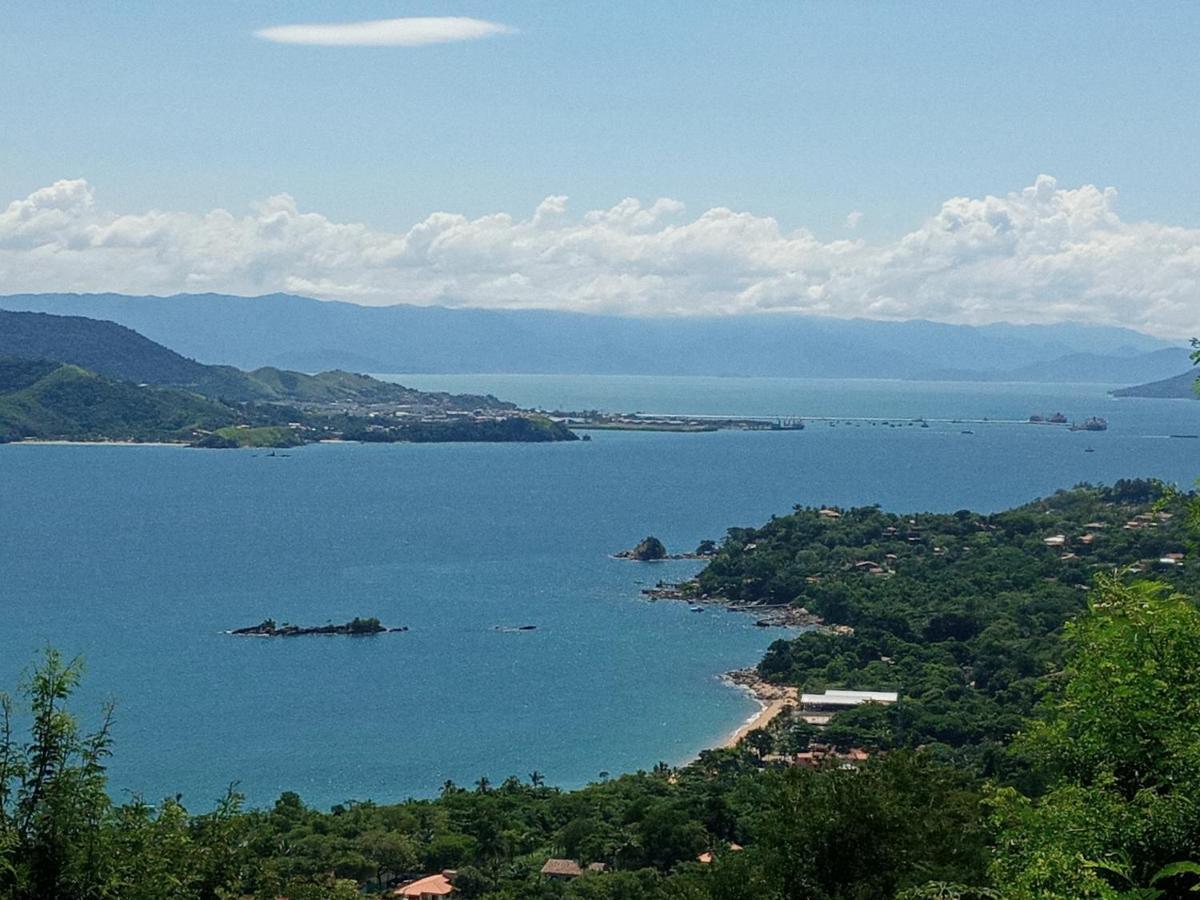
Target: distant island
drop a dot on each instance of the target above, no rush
(1181, 387)
(356, 627)
(76, 379)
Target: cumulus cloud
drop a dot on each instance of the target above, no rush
(408, 32)
(854, 219)
(1041, 254)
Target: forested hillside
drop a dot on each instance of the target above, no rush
(962, 613)
(63, 402)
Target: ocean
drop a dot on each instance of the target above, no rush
(139, 558)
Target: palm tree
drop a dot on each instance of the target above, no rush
(536, 778)
(448, 787)
(483, 784)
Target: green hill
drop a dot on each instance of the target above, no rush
(56, 401)
(63, 402)
(120, 353)
(1180, 387)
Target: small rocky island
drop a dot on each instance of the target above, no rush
(356, 627)
(651, 549)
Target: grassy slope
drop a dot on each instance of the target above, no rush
(70, 403)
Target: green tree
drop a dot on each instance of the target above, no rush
(1122, 747)
(52, 792)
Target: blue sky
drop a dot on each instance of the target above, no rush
(828, 121)
(803, 111)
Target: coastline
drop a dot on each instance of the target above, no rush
(773, 700)
(38, 442)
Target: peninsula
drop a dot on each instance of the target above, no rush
(73, 379)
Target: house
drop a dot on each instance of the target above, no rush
(827, 513)
(1057, 540)
(818, 709)
(835, 700)
(428, 888)
(708, 856)
(597, 867)
(818, 754)
(561, 869)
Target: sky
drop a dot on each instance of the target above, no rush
(962, 162)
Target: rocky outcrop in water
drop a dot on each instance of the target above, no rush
(356, 627)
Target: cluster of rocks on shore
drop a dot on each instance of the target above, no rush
(774, 616)
(651, 549)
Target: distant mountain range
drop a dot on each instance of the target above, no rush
(122, 354)
(1180, 387)
(286, 331)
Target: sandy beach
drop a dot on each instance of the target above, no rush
(773, 699)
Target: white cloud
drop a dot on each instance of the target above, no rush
(408, 32)
(1041, 254)
(854, 219)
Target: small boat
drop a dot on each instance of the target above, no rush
(1186, 437)
(966, 432)
(696, 608)
(1090, 450)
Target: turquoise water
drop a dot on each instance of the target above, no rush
(139, 557)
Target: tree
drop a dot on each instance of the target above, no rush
(759, 741)
(388, 851)
(1122, 747)
(52, 791)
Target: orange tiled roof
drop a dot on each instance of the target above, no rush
(432, 885)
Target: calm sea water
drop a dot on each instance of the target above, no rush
(138, 558)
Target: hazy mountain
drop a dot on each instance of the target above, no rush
(120, 353)
(299, 332)
(1085, 367)
(1180, 387)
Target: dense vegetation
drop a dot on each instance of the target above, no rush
(1047, 745)
(47, 400)
(962, 613)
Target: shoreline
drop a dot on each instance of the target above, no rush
(773, 700)
(38, 442)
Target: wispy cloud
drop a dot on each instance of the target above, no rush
(408, 32)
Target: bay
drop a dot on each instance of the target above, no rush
(139, 558)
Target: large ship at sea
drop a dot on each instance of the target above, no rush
(1094, 423)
